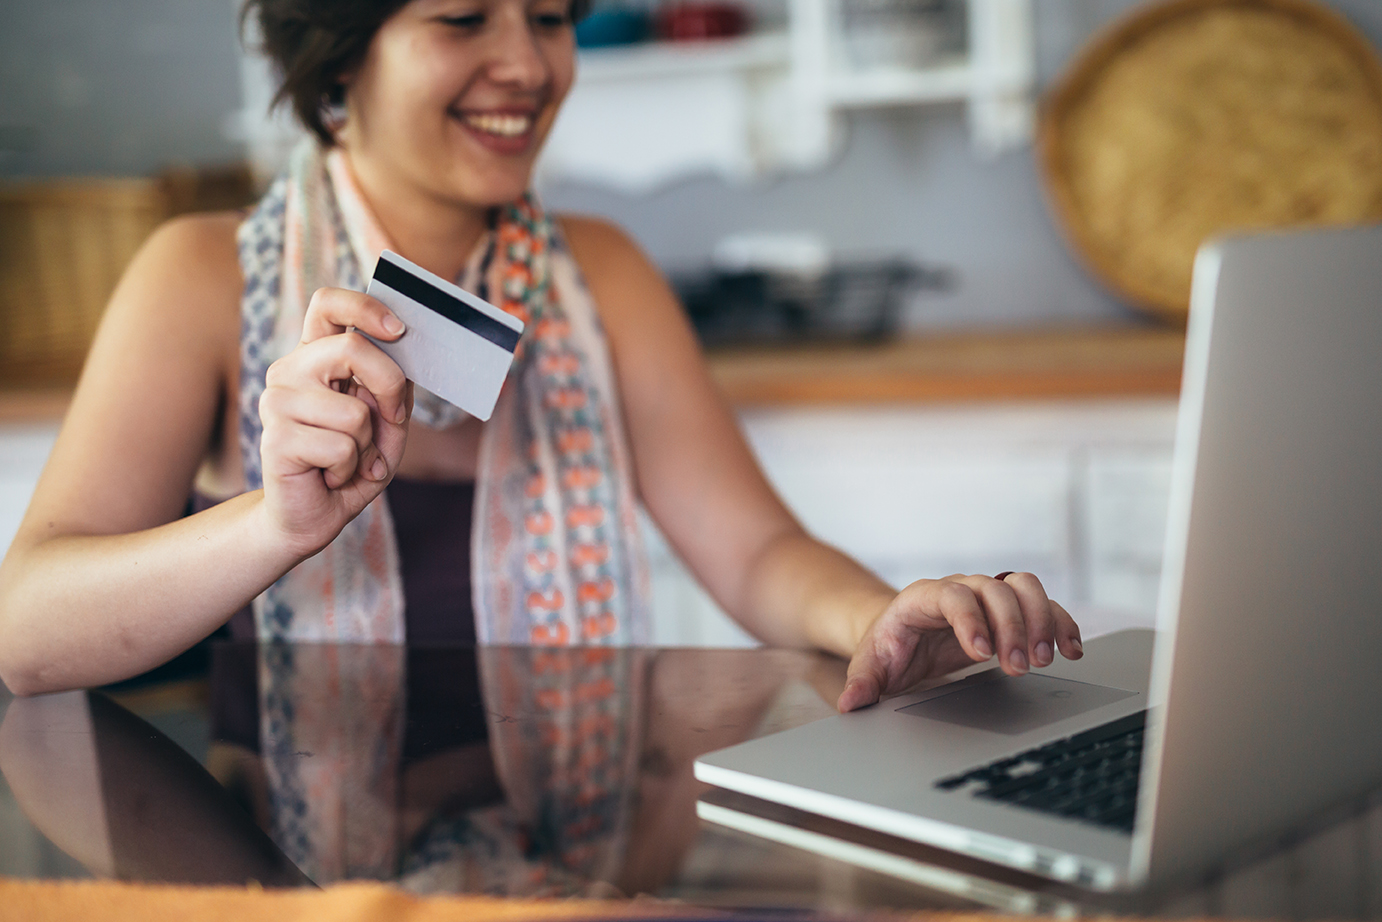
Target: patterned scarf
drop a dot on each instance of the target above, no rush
(556, 557)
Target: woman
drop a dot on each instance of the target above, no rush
(428, 116)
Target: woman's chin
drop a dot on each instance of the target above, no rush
(493, 194)
(485, 184)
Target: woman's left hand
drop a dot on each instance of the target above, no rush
(935, 626)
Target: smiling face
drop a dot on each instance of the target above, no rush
(455, 97)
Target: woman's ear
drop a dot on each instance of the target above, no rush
(334, 109)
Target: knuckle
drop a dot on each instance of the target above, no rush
(276, 373)
(270, 443)
(997, 593)
(355, 347)
(357, 416)
(341, 449)
(957, 594)
(320, 301)
(271, 403)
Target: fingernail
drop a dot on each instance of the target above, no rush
(1018, 660)
(846, 700)
(981, 643)
(378, 469)
(1075, 642)
(401, 415)
(392, 324)
(1043, 654)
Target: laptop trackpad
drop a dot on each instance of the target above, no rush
(1013, 705)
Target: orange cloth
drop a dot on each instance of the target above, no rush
(111, 901)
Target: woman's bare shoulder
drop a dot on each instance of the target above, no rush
(620, 275)
(602, 246)
(145, 407)
(195, 250)
(185, 281)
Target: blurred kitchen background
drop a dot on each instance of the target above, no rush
(847, 193)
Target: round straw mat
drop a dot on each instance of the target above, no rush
(1196, 117)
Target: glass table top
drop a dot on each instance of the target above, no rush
(526, 772)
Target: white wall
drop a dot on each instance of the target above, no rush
(122, 87)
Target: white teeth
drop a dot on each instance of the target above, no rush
(508, 126)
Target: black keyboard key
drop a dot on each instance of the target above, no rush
(1091, 776)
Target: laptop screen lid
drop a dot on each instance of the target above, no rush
(1267, 674)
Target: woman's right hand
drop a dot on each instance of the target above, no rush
(335, 413)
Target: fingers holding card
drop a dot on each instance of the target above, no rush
(329, 450)
(336, 310)
(334, 413)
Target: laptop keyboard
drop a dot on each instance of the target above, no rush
(1091, 776)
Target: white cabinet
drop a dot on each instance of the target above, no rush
(1127, 488)
(1074, 492)
(644, 115)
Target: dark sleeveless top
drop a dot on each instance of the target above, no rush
(444, 705)
(432, 529)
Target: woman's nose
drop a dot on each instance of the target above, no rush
(515, 58)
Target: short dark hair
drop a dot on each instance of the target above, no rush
(313, 43)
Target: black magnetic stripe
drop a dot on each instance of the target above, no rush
(452, 308)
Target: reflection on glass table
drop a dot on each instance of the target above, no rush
(523, 772)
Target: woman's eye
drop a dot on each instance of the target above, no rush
(465, 21)
(552, 20)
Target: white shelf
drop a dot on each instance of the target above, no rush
(768, 50)
(642, 116)
(946, 81)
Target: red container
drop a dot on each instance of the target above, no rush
(696, 21)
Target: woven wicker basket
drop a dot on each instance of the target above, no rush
(1197, 117)
(64, 245)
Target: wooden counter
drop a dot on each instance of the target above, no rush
(991, 365)
(43, 405)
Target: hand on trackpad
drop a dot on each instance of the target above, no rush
(1013, 704)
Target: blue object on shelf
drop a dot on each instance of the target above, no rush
(612, 25)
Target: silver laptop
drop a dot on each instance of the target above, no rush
(1254, 705)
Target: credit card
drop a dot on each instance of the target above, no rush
(457, 346)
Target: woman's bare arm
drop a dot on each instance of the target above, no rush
(103, 580)
(698, 477)
(701, 483)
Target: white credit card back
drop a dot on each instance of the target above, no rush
(457, 346)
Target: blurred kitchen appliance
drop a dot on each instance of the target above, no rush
(851, 302)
